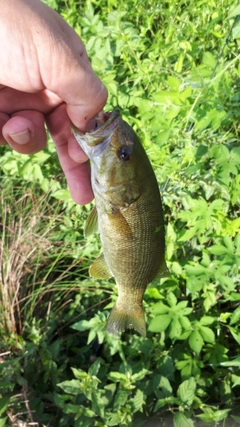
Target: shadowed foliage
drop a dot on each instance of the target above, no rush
(173, 70)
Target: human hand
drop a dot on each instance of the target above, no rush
(46, 77)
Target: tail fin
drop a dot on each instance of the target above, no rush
(122, 318)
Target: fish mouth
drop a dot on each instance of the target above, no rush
(103, 121)
(101, 129)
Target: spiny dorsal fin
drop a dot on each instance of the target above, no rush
(91, 225)
(99, 268)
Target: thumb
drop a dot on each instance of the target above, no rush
(90, 98)
(71, 76)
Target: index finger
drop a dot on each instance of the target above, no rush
(72, 159)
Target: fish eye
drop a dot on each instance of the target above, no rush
(124, 153)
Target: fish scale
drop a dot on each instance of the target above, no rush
(129, 216)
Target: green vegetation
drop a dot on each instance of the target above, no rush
(58, 367)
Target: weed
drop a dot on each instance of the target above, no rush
(161, 64)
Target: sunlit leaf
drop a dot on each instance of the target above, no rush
(159, 323)
(234, 12)
(196, 341)
(207, 334)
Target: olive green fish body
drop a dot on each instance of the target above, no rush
(129, 216)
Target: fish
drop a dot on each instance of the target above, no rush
(127, 214)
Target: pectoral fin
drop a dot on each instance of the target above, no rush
(99, 268)
(118, 224)
(91, 225)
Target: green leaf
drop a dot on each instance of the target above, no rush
(159, 308)
(218, 250)
(185, 322)
(178, 65)
(186, 391)
(60, 399)
(140, 375)
(5, 384)
(214, 416)
(236, 382)
(3, 422)
(210, 299)
(235, 334)
(173, 83)
(162, 386)
(159, 323)
(120, 399)
(80, 374)
(89, 413)
(82, 325)
(110, 390)
(236, 32)
(4, 402)
(209, 60)
(234, 362)
(201, 204)
(196, 341)
(138, 401)
(72, 409)
(207, 334)
(116, 376)
(71, 387)
(91, 336)
(94, 368)
(228, 241)
(114, 419)
(219, 152)
(235, 317)
(181, 420)
(166, 366)
(234, 12)
(171, 299)
(207, 320)
(181, 305)
(175, 329)
(188, 235)
(62, 195)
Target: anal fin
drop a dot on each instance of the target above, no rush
(99, 268)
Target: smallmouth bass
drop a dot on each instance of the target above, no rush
(128, 214)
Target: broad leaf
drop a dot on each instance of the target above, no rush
(181, 420)
(186, 391)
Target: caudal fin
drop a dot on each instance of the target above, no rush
(122, 318)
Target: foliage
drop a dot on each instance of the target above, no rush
(162, 65)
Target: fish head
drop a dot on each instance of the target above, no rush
(115, 151)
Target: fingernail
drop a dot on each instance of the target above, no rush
(21, 137)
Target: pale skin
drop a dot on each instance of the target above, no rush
(46, 77)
